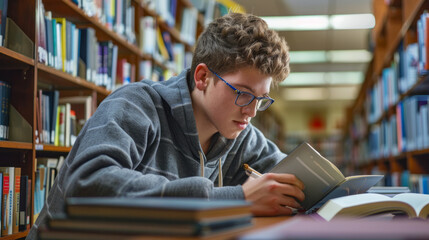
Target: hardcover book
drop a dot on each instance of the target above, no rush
(185, 209)
(61, 223)
(98, 216)
(322, 179)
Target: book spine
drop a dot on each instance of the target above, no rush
(28, 205)
(5, 198)
(16, 200)
(23, 203)
(10, 203)
(5, 90)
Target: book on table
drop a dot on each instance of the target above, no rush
(322, 179)
(154, 216)
(413, 205)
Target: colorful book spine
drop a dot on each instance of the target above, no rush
(7, 201)
(16, 199)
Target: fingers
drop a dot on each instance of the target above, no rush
(282, 188)
(284, 200)
(287, 178)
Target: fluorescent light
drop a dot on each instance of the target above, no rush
(343, 93)
(304, 94)
(308, 56)
(310, 22)
(320, 22)
(320, 93)
(303, 78)
(337, 56)
(344, 78)
(349, 56)
(323, 78)
(352, 21)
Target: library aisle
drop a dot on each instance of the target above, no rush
(358, 87)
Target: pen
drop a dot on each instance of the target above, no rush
(251, 172)
(255, 174)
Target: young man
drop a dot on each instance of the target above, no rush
(188, 136)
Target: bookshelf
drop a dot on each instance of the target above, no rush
(28, 76)
(386, 130)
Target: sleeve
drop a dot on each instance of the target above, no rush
(106, 157)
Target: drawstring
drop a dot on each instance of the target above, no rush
(220, 182)
(201, 164)
(220, 177)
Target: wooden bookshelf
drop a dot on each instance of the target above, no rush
(52, 148)
(16, 145)
(67, 9)
(10, 59)
(60, 79)
(396, 24)
(29, 75)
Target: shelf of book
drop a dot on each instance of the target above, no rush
(9, 58)
(387, 126)
(396, 30)
(15, 145)
(52, 148)
(69, 10)
(19, 235)
(60, 79)
(41, 82)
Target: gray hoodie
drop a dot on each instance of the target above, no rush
(143, 141)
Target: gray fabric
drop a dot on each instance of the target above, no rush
(142, 141)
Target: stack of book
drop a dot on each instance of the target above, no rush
(121, 218)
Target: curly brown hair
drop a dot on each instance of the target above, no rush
(240, 40)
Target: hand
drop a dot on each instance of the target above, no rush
(270, 194)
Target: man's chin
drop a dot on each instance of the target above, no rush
(232, 136)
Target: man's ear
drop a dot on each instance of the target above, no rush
(201, 76)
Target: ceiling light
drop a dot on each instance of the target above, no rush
(349, 56)
(320, 22)
(320, 93)
(344, 78)
(304, 94)
(337, 56)
(323, 78)
(299, 23)
(343, 93)
(308, 56)
(352, 21)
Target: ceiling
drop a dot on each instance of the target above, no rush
(339, 96)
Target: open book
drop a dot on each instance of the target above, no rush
(322, 179)
(414, 205)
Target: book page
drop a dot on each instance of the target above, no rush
(360, 205)
(351, 185)
(418, 201)
(317, 173)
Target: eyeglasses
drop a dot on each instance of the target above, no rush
(245, 98)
